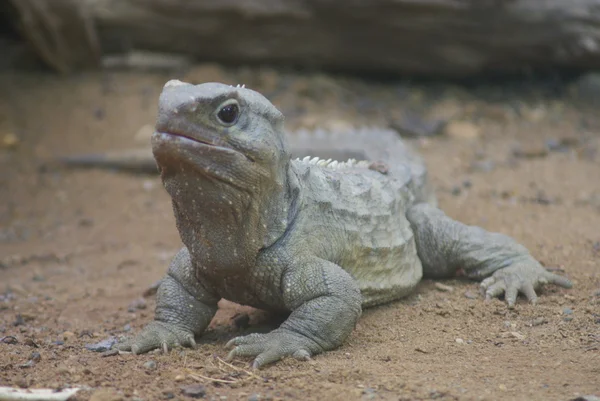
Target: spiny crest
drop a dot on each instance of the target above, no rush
(238, 86)
(334, 164)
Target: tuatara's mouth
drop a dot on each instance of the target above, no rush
(188, 137)
(170, 135)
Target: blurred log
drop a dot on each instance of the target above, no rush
(443, 38)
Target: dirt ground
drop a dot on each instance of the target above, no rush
(78, 248)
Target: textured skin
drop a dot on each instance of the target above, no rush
(316, 239)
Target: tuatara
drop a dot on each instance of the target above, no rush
(318, 239)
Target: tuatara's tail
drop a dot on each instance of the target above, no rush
(138, 160)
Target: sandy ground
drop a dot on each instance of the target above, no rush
(79, 248)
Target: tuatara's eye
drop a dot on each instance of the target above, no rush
(228, 113)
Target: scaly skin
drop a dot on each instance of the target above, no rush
(320, 240)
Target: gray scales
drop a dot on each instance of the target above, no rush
(315, 238)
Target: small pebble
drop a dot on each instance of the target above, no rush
(254, 397)
(137, 304)
(35, 356)
(127, 327)
(568, 318)
(459, 341)
(470, 295)
(150, 365)
(179, 378)
(12, 340)
(443, 287)
(538, 321)
(194, 390)
(9, 141)
(567, 311)
(517, 335)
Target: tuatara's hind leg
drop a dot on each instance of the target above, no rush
(445, 245)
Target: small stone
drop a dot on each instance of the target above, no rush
(530, 151)
(127, 327)
(456, 190)
(254, 397)
(137, 304)
(179, 378)
(483, 166)
(19, 321)
(470, 295)
(369, 393)
(148, 185)
(68, 335)
(538, 321)
(35, 356)
(12, 340)
(150, 365)
(105, 394)
(567, 311)
(459, 341)
(517, 335)
(443, 287)
(502, 387)
(196, 390)
(10, 141)
(568, 318)
(461, 130)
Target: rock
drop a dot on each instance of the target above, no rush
(254, 397)
(241, 321)
(463, 130)
(459, 341)
(470, 295)
(194, 390)
(103, 345)
(567, 311)
(150, 365)
(587, 89)
(543, 34)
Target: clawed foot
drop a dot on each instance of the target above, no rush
(158, 335)
(272, 347)
(524, 277)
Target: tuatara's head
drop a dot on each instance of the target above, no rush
(231, 134)
(222, 156)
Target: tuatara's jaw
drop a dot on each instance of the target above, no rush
(186, 141)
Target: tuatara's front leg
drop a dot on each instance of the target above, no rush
(325, 302)
(445, 245)
(183, 310)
